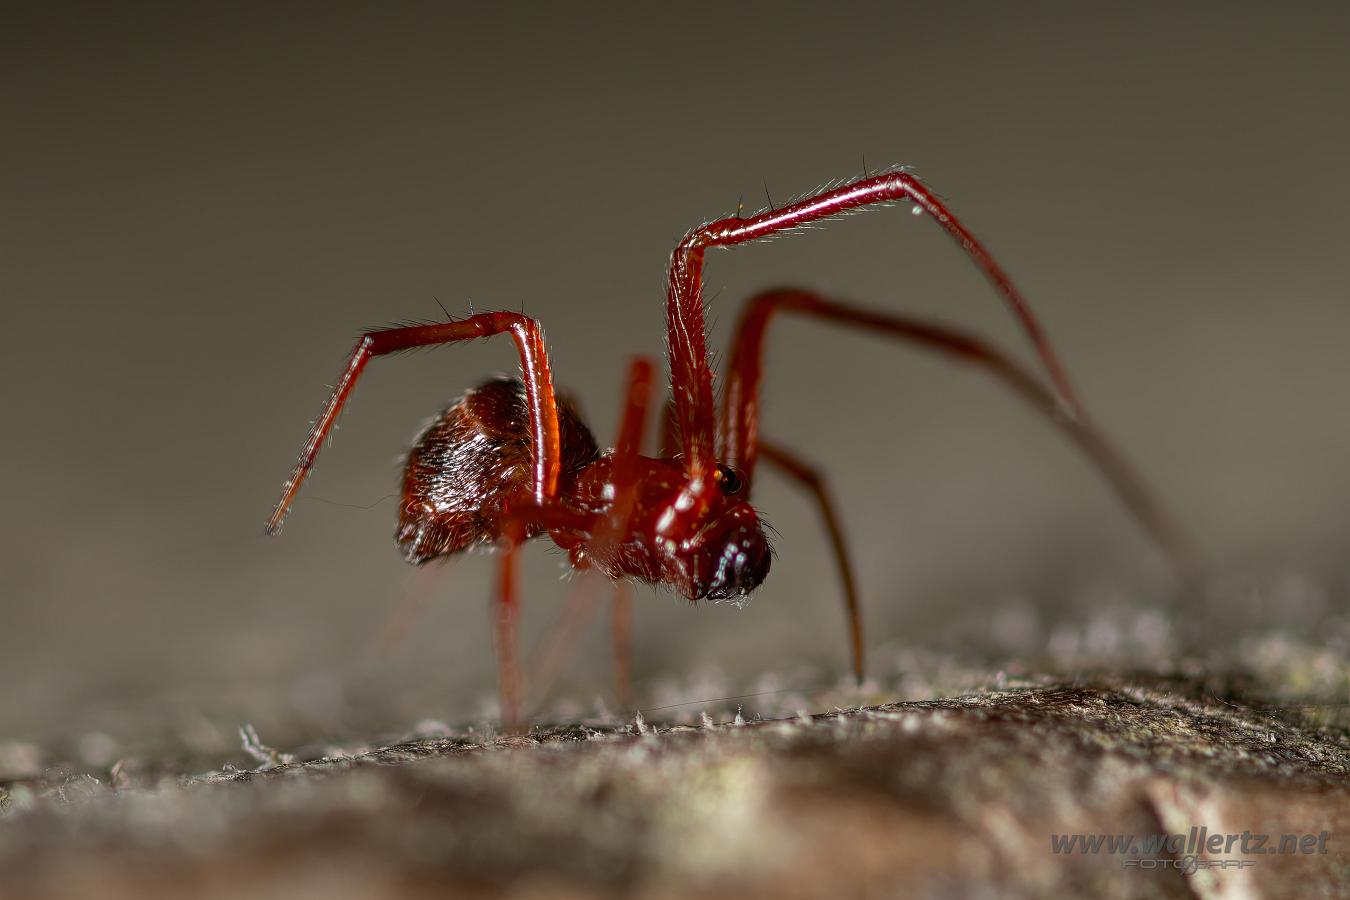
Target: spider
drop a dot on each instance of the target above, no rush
(511, 460)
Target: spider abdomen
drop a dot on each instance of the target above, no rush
(470, 462)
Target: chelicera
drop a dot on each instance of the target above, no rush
(510, 460)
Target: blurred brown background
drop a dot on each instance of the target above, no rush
(202, 208)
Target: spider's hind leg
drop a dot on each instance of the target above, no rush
(546, 462)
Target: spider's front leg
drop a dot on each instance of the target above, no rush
(740, 408)
(695, 420)
(813, 482)
(690, 373)
(742, 445)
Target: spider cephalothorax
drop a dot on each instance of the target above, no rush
(510, 460)
(705, 540)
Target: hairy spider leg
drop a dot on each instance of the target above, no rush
(740, 402)
(690, 373)
(539, 396)
(810, 478)
(581, 601)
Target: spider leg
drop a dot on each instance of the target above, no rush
(506, 627)
(626, 451)
(409, 609)
(740, 400)
(516, 525)
(809, 477)
(690, 374)
(581, 602)
(628, 446)
(621, 633)
(539, 395)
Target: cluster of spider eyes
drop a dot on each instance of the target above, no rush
(730, 479)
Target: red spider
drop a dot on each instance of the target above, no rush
(510, 460)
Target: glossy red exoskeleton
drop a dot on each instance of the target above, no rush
(510, 460)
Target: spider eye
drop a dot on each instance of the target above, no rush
(730, 479)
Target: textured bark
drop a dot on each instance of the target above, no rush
(953, 797)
